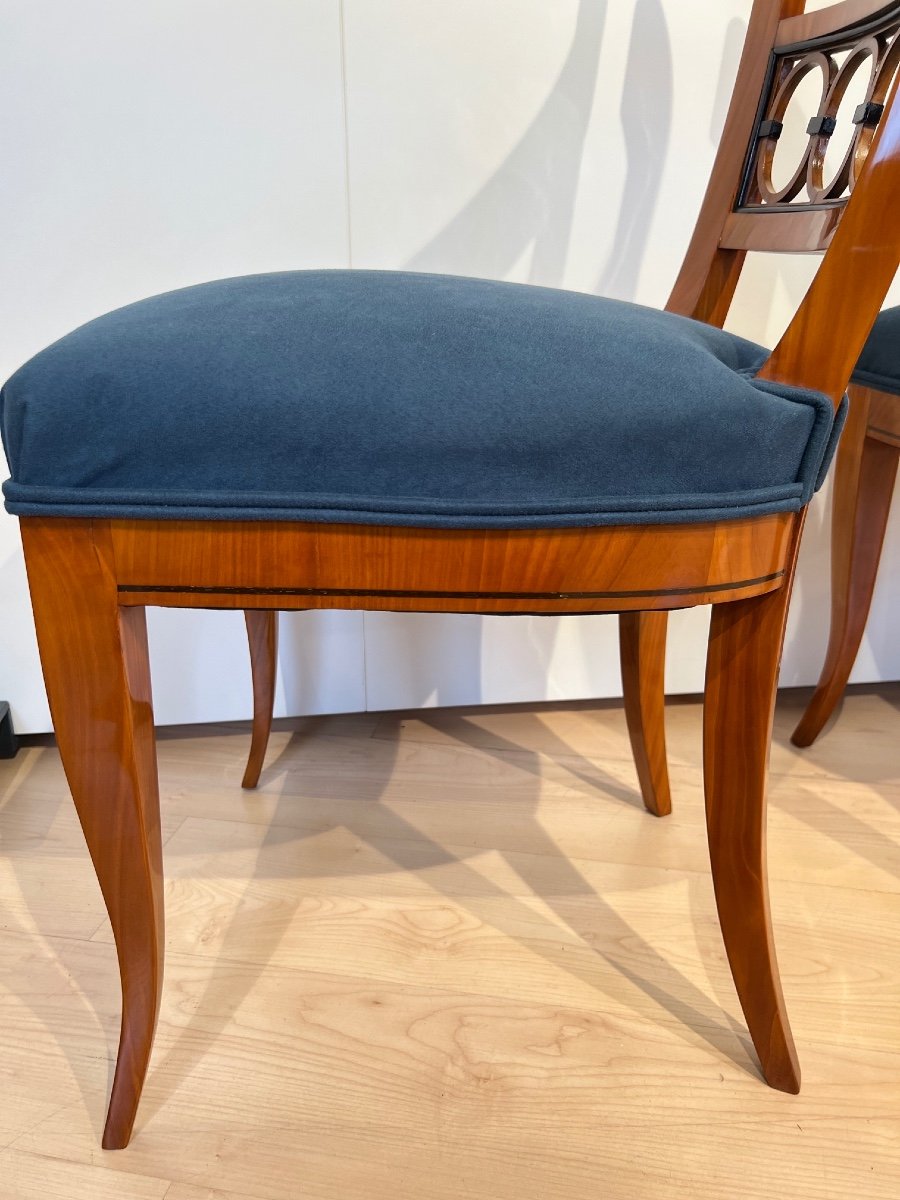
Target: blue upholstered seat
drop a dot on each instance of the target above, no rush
(879, 364)
(410, 399)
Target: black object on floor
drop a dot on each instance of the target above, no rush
(8, 742)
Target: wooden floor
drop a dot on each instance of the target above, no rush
(447, 956)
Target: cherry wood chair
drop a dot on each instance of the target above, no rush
(863, 489)
(379, 440)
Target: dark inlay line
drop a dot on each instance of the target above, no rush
(410, 595)
(782, 206)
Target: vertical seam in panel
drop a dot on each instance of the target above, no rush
(365, 660)
(343, 38)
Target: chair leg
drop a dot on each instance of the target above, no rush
(742, 671)
(863, 488)
(262, 635)
(642, 649)
(94, 656)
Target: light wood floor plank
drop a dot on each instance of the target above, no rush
(33, 1177)
(447, 955)
(185, 1191)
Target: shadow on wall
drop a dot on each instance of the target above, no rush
(530, 198)
(529, 202)
(646, 117)
(732, 47)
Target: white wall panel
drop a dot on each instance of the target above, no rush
(147, 146)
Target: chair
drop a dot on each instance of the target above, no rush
(379, 440)
(863, 488)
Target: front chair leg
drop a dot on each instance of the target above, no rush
(742, 671)
(262, 636)
(642, 651)
(94, 656)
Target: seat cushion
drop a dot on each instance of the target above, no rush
(879, 364)
(396, 398)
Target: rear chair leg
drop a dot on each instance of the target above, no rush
(94, 656)
(642, 649)
(262, 635)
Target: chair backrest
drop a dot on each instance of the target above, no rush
(854, 216)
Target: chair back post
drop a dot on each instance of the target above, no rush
(709, 275)
(849, 217)
(820, 347)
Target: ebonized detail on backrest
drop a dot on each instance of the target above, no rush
(872, 47)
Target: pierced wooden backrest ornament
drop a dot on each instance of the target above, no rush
(870, 51)
(850, 210)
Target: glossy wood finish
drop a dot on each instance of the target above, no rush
(262, 637)
(745, 643)
(228, 559)
(709, 275)
(863, 490)
(827, 21)
(863, 51)
(849, 288)
(94, 658)
(642, 652)
(284, 566)
(789, 74)
(792, 232)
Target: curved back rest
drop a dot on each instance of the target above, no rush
(854, 216)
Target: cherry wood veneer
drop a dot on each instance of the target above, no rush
(282, 565)
(796, 232)
(745, 644)
(825, 22)
(642, 653)
(94, 657)
(262, 635)
(95, 662)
